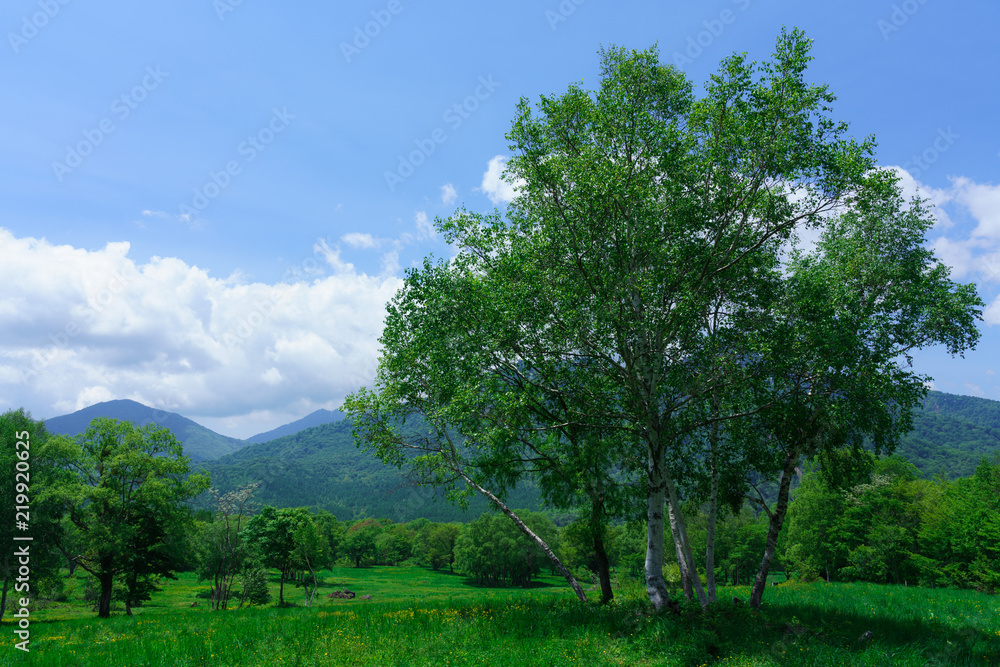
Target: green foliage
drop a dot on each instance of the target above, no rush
(494, 552)
(898, 528)
(434, 545)
(286, 539)
(361, 541)
(24, 473)
(960, 533)
(952, 434)
(394, 545)
(124, 489)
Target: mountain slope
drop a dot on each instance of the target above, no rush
(310, 420)
(199, 443)
(321, 467)
(952, 434)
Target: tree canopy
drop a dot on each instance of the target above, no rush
(124, 489)
(638, 295)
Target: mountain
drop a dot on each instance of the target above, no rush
(321, 467)
(952, 434)
(310, 420)
(199, 443)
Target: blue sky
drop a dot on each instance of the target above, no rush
(207, 203)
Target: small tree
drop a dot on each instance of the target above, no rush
(360, 541)
(310, 550)
(223, 554)
(273, 533)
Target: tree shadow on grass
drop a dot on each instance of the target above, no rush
(792, 633)
(780, 632)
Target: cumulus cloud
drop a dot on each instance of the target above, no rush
(494, 185)
(983, 202)
(968, 217)
(448, 194)
(83, 326)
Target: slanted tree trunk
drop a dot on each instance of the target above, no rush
(679, 529)
(531, 535)
(776, 518)
(315, 585)
(685, 574)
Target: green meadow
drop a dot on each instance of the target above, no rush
(417, 616)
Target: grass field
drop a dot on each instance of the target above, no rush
(420, 617)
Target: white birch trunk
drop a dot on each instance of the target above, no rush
(656, 587)
(523, 527)
(676, 517)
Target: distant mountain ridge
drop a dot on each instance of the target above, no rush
(320, 466)
(310, 420)
(200, 443)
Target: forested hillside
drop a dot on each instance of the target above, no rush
(321, 467)
(952, 434)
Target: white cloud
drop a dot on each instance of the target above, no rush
(495, 187)
(272, 376)
(968, 215)
(991, 313)
(983, 202)
(359, 240)
(956, 254)
(974, 389)
(79, 327)
(425, 230)
(448, 194)
(935, 198)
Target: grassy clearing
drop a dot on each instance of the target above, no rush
(420, 617)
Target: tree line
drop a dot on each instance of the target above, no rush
(874, 520)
